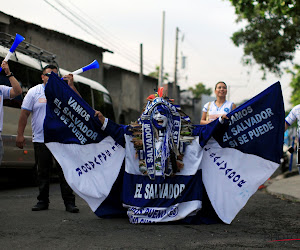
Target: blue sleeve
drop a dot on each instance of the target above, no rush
(116, 131)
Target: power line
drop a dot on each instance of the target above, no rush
(93, 31)
(96, 30)
(106, 32)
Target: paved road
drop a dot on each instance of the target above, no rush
(264, 219)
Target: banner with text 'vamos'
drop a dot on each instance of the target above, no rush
(91, 160)
(244, 152)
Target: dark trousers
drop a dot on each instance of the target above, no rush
(44, 160)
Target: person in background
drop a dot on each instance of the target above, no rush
(7, 92)
(218, 108)
(289, 120)
(293, 116)
(35, 103)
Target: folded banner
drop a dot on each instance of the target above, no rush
(232, 159)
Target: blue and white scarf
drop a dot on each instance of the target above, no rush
(171, 138)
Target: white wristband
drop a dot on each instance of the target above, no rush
(221, 120)
(104, 124)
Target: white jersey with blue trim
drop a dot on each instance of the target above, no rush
(215, 111)
(293, 116)
(35, 101)
(4, 94)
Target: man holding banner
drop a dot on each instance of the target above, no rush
(35, 102)
(7, 92)
(169, 162)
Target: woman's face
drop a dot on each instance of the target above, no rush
(221, 90)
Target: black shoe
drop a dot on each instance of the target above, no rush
(40, 206)
(72, 208)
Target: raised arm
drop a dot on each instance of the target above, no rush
(70, 80)
(16, 88)
(116, 131)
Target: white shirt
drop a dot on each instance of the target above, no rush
(4, 94)
(215, 111)
(35, 101)
(293, 115)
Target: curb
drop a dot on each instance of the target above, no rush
(283, 196)
(284, 189)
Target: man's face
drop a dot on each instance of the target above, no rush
(159, 118)
(46, 73)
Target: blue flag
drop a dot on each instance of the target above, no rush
(244, 153)
(102, 165)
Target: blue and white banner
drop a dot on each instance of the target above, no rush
(91, 160)
(163, 199)
(232, 159)
(244, 152)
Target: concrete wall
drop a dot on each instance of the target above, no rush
(71, 53)
(193, 106)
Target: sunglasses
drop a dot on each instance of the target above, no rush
(48, 74)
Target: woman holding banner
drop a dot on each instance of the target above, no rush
(218, 108)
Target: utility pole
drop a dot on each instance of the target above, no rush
(161, 72)
(174, 92)
(141, 77)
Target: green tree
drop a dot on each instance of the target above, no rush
(272, 33)
(200, 89)
(295, 84)
(155, 74)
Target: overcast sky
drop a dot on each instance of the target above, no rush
(121, 26)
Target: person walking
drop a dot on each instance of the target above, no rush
(35, 103)
(218, 108)
(293, 116)
(7, 92)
